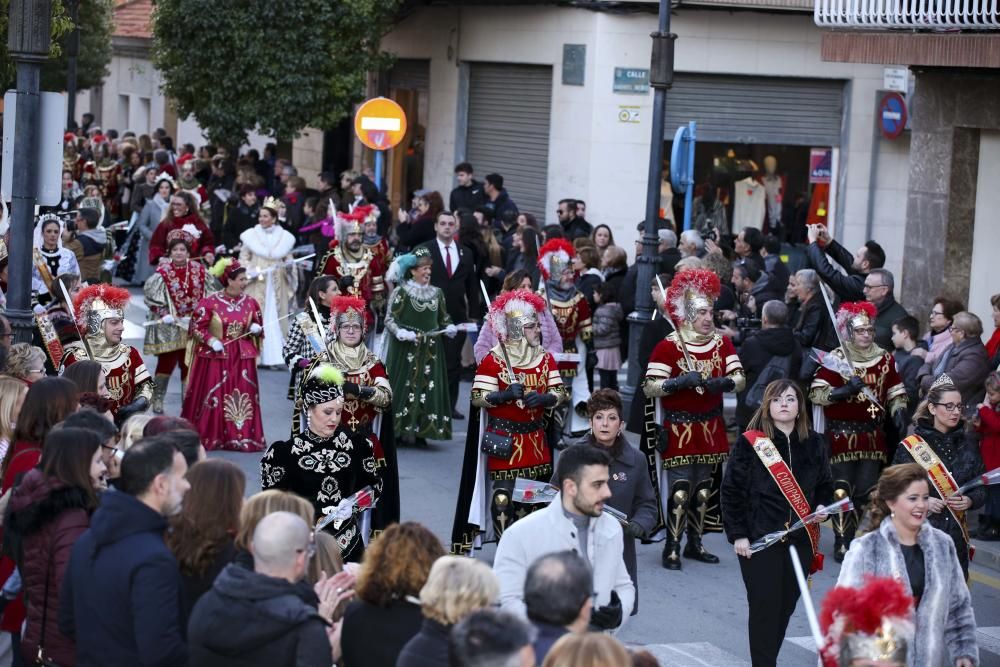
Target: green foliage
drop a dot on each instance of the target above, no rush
(96, 19)
(61, 25)
(276, 67)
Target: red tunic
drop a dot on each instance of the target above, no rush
(854, 428)
(360, 416)
(696, 429)
(125, 372)
(531, 451)
(158, 243)
(573, 318)
(368, 272)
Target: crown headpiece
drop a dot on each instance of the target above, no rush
(272, 204)
(943, 380)
(189, 234)
(510, 311)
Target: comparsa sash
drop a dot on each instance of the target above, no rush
(789, 487)
(53, 347)
(940, 478)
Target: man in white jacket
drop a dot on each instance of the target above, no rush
(573, 521)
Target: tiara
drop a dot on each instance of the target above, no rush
(941, 381)
(272, 203)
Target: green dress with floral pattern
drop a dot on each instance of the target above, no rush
(417, 373)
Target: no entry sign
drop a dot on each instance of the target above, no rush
(380, 123)
(892, 115)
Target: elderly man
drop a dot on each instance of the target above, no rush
(557, 597)
(878, 290)
(812, 327)
(691, 245)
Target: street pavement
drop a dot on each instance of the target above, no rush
(695, 617)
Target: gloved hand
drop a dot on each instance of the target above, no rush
(508, 395)
(366, 392)
(351, 388)
(39, 309)
(689, 380)
(609, 616)
(533, 399)
(140, 404)
(720, 385)
(634, 531)
(900, 422)
(303, 363)
(849, 390)
(591, 359)
(451, 331)
(216, 345)
(167, 319)
(405, 335)
(255, 329)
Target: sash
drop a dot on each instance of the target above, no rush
(789, 487)
(940, 478)
(53, 347)
(43, 269)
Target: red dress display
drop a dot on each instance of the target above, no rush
(223, 396)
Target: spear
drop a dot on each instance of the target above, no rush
(72, 311)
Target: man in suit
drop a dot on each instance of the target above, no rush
(454, 272)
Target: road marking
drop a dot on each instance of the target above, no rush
(984, 579)
(694, 654)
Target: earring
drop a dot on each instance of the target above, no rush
(892, 515)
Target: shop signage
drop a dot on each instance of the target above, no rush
(574, 61)
(820, 165)
(628, 114)
(892, 115)
(895, 78)
(380, 124)
(631, 80)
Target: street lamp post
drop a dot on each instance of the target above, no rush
(28, 40)
(661, 78)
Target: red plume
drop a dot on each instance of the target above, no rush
(341, 304)
(553, 246)
(537, 302)
(859, 307)
(862, 610)
(116, 297)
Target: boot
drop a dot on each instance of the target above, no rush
(696, 525)
(676, 524)
(160, 383)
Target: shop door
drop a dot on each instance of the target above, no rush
(985, 231)
(757, 110)
(409, 86)
(508, 129)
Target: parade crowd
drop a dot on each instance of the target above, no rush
(124, 544)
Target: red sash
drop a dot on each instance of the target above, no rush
(53, 347)
(940, 478)
(789, 487)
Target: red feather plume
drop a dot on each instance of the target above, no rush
(341, 304)
(700, 281)
(552, 246)
(537, 302)
(862, 610)
(859, 307)
(116, 297)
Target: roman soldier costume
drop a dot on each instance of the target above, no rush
(367, 400)
(870, 625)
(852, 398)
(573, 318)
(351, 258)
(516, 384)
(687, 374)
(125, 373)
(325, 470)
(172, 293)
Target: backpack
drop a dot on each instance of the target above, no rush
(776, 369)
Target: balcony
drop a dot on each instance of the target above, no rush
(919, 15)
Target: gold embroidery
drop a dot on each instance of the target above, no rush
(237, 408)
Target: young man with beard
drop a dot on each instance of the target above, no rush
(357, 267)
(573, 521)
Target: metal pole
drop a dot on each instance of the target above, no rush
(72, 51)
(379, 157)
(28, 42)
(661, 78)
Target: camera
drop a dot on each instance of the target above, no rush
(748, 323)
(708, 235)
(68, 220)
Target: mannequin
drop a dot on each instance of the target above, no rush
(666, 195)
(774, 188)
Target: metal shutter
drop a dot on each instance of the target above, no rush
(508, 129)
(410, 74)
(757, 110)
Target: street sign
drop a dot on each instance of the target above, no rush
(896, 78)
(682, 166)
(49, 151)
(892, 115)
(631, 80)
(380, 123)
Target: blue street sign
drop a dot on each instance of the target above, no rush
(682, 167)
(892, 115)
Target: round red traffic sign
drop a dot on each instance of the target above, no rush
(892, 115)
(380, 123)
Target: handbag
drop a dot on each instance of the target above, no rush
(497, 445)
(661, 440)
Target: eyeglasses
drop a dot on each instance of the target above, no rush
(950, 407)
(37, 370)
(113, 450)
(937, 312)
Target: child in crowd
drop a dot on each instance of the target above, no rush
(989, 448)
(905, 334)
(608, 335)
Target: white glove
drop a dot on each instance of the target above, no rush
(39, 309)
(185, 323)
(219, 249)
(451, 331)
(405, 336)
(216, 345)
(167, 319)
(255, 329)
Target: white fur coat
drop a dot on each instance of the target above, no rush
(945, 623)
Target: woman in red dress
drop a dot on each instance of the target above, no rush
(183, 211)
(223, 396)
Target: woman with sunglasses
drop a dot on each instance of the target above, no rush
(941, 445)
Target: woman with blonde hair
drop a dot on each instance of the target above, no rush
(12, 392)
(386, 614)
(259, 506)
(456, 587)
(903, 545)
(593, 649)
(26, 362)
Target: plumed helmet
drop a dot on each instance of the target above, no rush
(854, 314)
(510, 311)
(690, 291)
(555, 257)
(96, 303)
(347, 310)
(873, 622)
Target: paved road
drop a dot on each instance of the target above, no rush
(696, 617)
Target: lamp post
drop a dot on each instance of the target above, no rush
(28, 40)
(661, 78)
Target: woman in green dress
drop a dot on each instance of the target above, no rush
(416, 319)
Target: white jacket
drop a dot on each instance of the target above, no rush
(547, 531)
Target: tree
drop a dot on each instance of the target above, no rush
(276, 67)
(61, 25)
(96, 20)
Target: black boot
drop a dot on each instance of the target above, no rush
(671, 558)
(677, 519)
(696, 525)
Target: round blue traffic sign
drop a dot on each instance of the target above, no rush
(680, 164)
(892, 115)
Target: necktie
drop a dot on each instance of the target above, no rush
(447, 260)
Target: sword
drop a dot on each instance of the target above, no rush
(867, 391)
(72, 311)
(282, 265)
(680, 336)
(317, 317)
(503, 348)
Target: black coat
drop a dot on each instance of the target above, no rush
(427, 648)
(120, 597)
(652, 333)
(889, 311)
(849, 287)
(813, 327)
(412, 234)
(756, 352)
(374, 636)
(193, 588)
(461, 290)
(752, 503)
(468, 197)
(249, 619)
